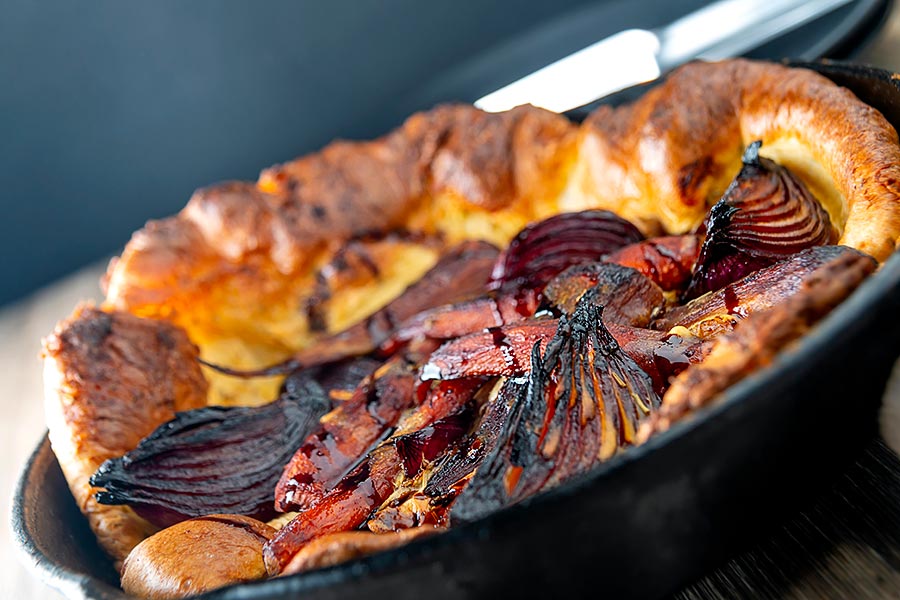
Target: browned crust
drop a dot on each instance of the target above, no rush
(111, 379)
(674, 150)
(270, 231)
(663, 158)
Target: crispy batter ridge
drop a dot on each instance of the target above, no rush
(488, 163)
(671, 154)
(238, 265)
(110, 380)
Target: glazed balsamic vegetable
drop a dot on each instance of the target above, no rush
(215, 459)
(546, 248)
(584, 399)
(765, 215)
(718, 312)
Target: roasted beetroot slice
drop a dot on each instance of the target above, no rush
(214, 459)
(584, 400)
(765, 215)
(546, 248)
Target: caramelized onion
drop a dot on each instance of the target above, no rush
(546, 248)
(765, 215)
(584, 399)
(213, 460)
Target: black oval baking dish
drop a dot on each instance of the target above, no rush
(640, 525)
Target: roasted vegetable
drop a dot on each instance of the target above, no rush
(176, 561)
(335, 548)
(506, 351)
(215, 459)
(546, 248)
(667, 261)
(584, 399)
(756, 341)
(718, 312)
(371, 479)
(766, 214)
(347, 433)
(627, 296)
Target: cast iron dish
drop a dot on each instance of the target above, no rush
(639, 525)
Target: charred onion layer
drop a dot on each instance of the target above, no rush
(584, 399)
(213, 460)
(765, 215)
(542, 250)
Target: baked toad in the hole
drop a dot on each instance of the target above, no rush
(451, 318)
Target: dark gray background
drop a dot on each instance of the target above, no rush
(113, 112)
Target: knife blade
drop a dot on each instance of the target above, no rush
(719, 30)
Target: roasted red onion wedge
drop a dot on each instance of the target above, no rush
(584, 399)
(452, 472)
(214, 459)
(627, 296)
(667, 261)
(718, 312)
(765, 215)
(546, 248)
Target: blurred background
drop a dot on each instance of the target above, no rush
(112, 113)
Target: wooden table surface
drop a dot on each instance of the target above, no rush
(845, 545)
